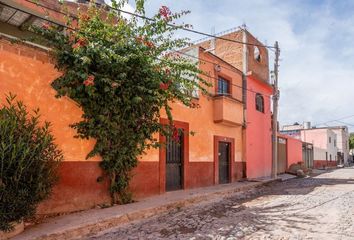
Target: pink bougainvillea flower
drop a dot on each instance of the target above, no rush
(45, 26)
(175, 135)
(164, 86)
(80, 43)
(90, 81)
(85, 17)
(72, 38)
(165, 12)
(149, 44)
(114, 85)
(76, 45)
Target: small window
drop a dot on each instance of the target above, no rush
(329, 140)
(330, 157)
(326, 156)
(257, 54)
(223, 86)
(259, 103)
(335, 142)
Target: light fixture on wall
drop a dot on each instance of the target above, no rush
(217, 68)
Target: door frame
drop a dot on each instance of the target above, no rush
(162, 154)
(218, 139)
(286, 153)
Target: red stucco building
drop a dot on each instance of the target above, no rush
(252, 60)
(233, 124)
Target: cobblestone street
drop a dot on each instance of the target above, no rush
(312, 208)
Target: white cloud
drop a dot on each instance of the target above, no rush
(127, 7)
(317, 67)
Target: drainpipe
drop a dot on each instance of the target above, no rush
(244, 92)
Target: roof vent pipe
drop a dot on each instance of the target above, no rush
(307, 125)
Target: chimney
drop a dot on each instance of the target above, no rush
(307, 125)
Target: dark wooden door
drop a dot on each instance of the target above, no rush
(282, 155)
(224, 162)
(174, 162)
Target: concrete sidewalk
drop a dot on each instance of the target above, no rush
(77, 225)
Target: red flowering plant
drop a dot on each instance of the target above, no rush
(123, 73)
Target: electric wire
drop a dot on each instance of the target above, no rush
(73, 29)
(169, 24)
(335, 120)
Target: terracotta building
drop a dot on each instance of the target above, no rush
(215, 154)
(232, 126)
(253, 61)
(330, 144)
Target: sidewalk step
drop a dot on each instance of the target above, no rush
(80, 224)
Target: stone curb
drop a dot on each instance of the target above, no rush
(88, 228)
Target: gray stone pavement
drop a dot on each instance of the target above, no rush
(79, 224)
(320, 207)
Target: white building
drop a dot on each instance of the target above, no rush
(342, 143)
(324, 142)
(331, 144)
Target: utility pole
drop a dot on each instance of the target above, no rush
(275, 112)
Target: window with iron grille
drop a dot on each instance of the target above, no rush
(259, 103)
(223, 86)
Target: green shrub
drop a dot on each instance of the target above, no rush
(29, 160)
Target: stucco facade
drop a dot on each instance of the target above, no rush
(28, 72)
(331, 144)
(227, 124)
(253, 60)
(342, 143)
(324, 144)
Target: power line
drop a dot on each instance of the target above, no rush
(168, 24)
(38, 16)
(348, 124)
(335, 120)
(73, 16)
(204, 60)
(73, 29)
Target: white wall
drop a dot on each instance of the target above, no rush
(343, 141)
(320, 140)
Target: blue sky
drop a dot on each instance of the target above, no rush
(317, 50)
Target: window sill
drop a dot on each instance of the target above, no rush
(226, 96)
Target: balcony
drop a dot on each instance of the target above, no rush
(228, 111)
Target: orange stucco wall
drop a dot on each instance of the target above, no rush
(258, 131)
(201, 120)
(28, 72)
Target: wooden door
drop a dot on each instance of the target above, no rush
(282, 155)
(224, 162)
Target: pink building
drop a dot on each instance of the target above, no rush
(259, 128)
(329, 143)
(253, 61)
(324, 142)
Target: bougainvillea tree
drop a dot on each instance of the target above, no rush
(123, 73)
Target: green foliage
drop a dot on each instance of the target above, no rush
(351, 141)
(123, 72)
(28, 162)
